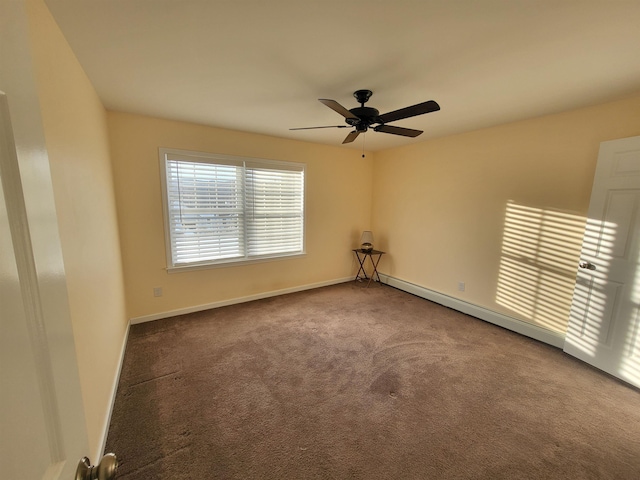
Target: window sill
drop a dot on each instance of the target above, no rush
(232, 263)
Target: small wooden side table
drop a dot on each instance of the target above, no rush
(362, 255)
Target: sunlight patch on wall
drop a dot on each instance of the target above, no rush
(538, 264)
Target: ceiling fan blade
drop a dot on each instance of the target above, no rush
(336, 107)
(414, 110)
(405, 132)
(351, 137)
(328, 126)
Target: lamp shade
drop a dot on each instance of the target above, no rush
(367, 237)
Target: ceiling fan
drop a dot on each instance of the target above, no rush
(361, 118)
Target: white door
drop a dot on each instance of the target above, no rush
(604, 327)
(42, 426)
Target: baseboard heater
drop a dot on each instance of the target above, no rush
(533, 331)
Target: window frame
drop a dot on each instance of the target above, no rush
(223, 159)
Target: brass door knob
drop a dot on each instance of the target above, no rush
(586, 265)
(105, 470)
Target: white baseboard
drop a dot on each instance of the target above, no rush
(114, 391)
(233, 301)
(528, 329)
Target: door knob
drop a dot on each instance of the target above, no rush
(105, 470)
(586, 265)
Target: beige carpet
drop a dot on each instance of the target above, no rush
(345, 382)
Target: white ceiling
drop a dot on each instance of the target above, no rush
(260, 66)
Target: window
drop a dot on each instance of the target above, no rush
(221, 209)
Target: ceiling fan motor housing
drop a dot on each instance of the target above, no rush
(366, 115)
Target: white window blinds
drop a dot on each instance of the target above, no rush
(274, 211)
(221, 209)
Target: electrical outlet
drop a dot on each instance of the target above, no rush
(157, 291)
(461, 286)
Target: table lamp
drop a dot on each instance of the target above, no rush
(366, 241)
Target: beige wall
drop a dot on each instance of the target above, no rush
(338, 208)
(75, 128)
(501, 209)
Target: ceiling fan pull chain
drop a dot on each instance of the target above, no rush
(364, 136)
